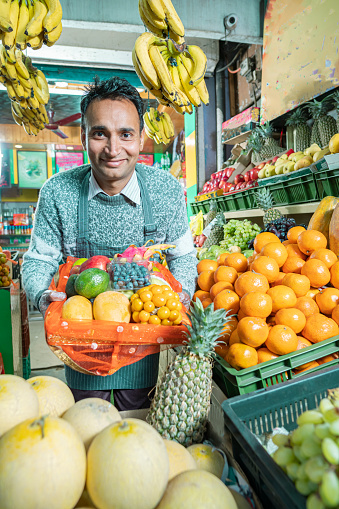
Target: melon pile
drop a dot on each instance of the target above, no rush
(59, 454)
(284, 298)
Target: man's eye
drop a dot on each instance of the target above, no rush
(99, 134)
(127, 135)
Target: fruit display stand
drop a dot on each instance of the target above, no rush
(11, 343)
(273, 372)
(258, 414)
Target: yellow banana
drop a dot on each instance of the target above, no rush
(35, 42)
(149, 133)
(33, 103)
(11, 71)
(173, 67)
(10, 55)
(189, 109)
(9, 37)
(54, 15)
(169, 123)
(20, 66)
(178, 108)
(172, 18)
(17, 119)
(17, 109)
(34, 27)
(28, 63)
(162, 134)
(42, 85)
(5, 21)
(165, 127)
(200, 64)
(159, 23)
(147, 22)
(153, 116)
(147, 84)
(190, 90)
(157, 8)
(51, 38)
(3, 79)
(149, 123)
(163, 100)
(23, 103)
(203, 92)
(27, 85)
(176, 38)
(10, 90)
(19, 90)
(142, 45)
(22, 23)
(30, 9)
(161, 69)
(43, 112)
(38, 93)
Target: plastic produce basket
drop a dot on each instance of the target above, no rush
(294, 190)
(233, 382)
(327, 182)
(259, 413)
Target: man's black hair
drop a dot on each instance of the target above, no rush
(116, 89)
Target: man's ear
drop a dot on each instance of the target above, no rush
(142, 139)
(83, 139)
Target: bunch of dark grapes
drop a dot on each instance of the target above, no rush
(279, 227)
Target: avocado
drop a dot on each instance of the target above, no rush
(70, 290)
(91, 282)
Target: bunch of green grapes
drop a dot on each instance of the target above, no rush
(239, 233)
(310, 454)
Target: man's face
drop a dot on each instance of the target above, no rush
(112, 139)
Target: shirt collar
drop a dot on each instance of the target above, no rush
(130, 191)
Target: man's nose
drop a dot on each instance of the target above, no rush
(113, 145)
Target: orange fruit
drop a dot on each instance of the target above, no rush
(279, 279)
(207, 265)
(218, 287)
(236, 260)
(299, 284)
(262, 239)
(251, 282)
(234, 338)
(286, 242)
(319, 327)
(206, 302)
(223, 273)
(275, 250)
(293, 250)
(293, 264)
(241, 314)
(307, 306)
(292, 317)
(206, 280)
(293, 233)
(335, 314)
(226, 299)
(304, 343)
(282, 297)
(264, 355)
(327, 358)
(282, 340)
(310, 365)
(327, 299)
(317, 272)
(267, 267)
(311, 240)
(252, 331)
(326, 256)
(229, 327)
(312, 293)
(221, 258)
(241, 356)
(256, 304)
(334, 271)
(250, 259)
(222, 349)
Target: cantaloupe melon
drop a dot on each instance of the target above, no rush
(77, 308)
(112, 306)
(180, 459)
(207, 458)
(55, 397)
(127, 466)
(18, 402)
(43, 465)
(197, 489)
(90, 416)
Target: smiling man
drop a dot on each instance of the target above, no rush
(100, 209)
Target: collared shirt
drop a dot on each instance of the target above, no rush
(130, 191)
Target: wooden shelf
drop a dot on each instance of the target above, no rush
(303, 208)
(238, 139)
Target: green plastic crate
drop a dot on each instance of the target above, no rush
(194, 207)
(203, 205)
(233, 382)
(327, 182)
(258, 413)
(294, 190)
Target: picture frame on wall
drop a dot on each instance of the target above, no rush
(147, 159)
(32, 168)
(68, 160)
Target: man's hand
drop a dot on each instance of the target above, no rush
(47, 297)
(185, 299)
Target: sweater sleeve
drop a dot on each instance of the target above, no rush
(44, 255)
(182, 260)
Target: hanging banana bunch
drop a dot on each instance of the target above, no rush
(158, 126)
(161, 19)
(27, 89)
(173, 74)
(30, 23)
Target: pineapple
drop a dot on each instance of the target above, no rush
(265, 202)
(271, 147)
(212, 213)
(336, 101)
(180, 407)
(301, 130)
(255, 143)
(217, 232)
(324, 126)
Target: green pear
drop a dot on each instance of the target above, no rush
(279, 169)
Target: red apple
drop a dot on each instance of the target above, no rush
(98, 262)
(260, 166)
(275, 159)
(254, 174)
(229, 172)
(243, 185)
(289, 152)
(247, 176)
(249, 184)
(238, 179)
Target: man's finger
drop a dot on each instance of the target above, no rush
(57, 296)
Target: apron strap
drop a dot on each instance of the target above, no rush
(150, 227)
(83, 207)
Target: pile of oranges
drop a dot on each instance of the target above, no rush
(278, 296)
(156, 305)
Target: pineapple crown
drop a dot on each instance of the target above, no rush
(335, 98)
(266, 130)
(213, 205)
(255, 141)
(298, 117)
(264, 199)
(220, 220)
(318, 109)
(206, 327)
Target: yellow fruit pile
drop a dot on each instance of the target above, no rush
(156, 305)
(279, 296)
(158, 126)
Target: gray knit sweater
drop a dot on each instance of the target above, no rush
(56, 228)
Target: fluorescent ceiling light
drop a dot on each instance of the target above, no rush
(69, 148)
(65, 91)
(18, 146)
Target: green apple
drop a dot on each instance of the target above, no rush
(279, 169)
(288, 167)
(297, 157)
(284, 157)
(270, 170)
(261, 173)
(295, 154)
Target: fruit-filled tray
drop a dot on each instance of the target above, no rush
(233, 382)
(258, 414)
